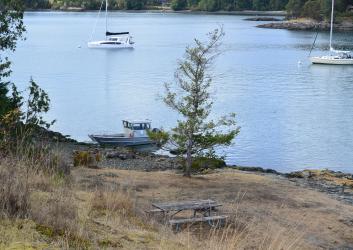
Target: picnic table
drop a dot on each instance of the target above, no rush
(202, 211)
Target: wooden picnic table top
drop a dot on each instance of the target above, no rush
(186, 205)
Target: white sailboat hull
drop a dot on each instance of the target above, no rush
(331, 60)
(109, 45)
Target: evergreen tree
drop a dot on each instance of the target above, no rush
(312, 9)
(179, 4)
(244, 4)
(190, 96)
(260, 4)
(11, 29)
(209, 5)
(294, 7)
(278, 4)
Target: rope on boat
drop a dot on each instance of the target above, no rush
(312, 46)
(95, 24)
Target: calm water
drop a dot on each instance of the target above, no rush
(292, 115)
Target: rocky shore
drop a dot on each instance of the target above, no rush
(263, 18)
(336, 184)
(308, 24)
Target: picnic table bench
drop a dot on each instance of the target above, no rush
(202, 208)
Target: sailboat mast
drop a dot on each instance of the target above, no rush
(106, 17)
(332, 8)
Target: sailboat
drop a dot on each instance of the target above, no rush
(113, 40)
(337, 57)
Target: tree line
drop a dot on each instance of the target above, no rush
(319, 9)
(91, 4)
(205, 5)
(316, 9)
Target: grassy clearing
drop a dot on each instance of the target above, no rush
(105, 209)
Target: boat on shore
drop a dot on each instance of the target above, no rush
(135, 134)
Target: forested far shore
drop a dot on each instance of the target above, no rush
(316, 9)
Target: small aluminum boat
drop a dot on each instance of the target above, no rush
(135, 134)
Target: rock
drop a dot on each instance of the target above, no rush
(121, 156)
(109, 174)
(75, 9)
(256, 169)
(271, 171)
(296, 174)
(307, 25)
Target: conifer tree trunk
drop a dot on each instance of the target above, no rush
(188, 159)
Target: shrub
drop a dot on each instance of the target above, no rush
(86, 158)
(202, 163)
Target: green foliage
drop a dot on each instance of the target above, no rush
(18, 126)
(160, 137)
(17, 118)
(196, 134)
(11, 29)
(312, 9)
(261, 4)
(134, 4)
(326, 6)
(178, 4)
(11, 24)
(37, 4)
(316, 9)
(202, 163)
(244, 4)
(37, 104)
(208, 5)
(278, 4)
(294, 7)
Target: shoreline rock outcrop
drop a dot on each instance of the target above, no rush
(308, 24)
(263, 18)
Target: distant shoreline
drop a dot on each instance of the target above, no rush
(236, 13)
(307, 24)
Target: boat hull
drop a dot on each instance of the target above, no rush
(331, 60)
(122, 141)
(100, 45)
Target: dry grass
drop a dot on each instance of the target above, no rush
(14, 191)
(113, 201)
(104, 209)
(266, 212)
(56, 210)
